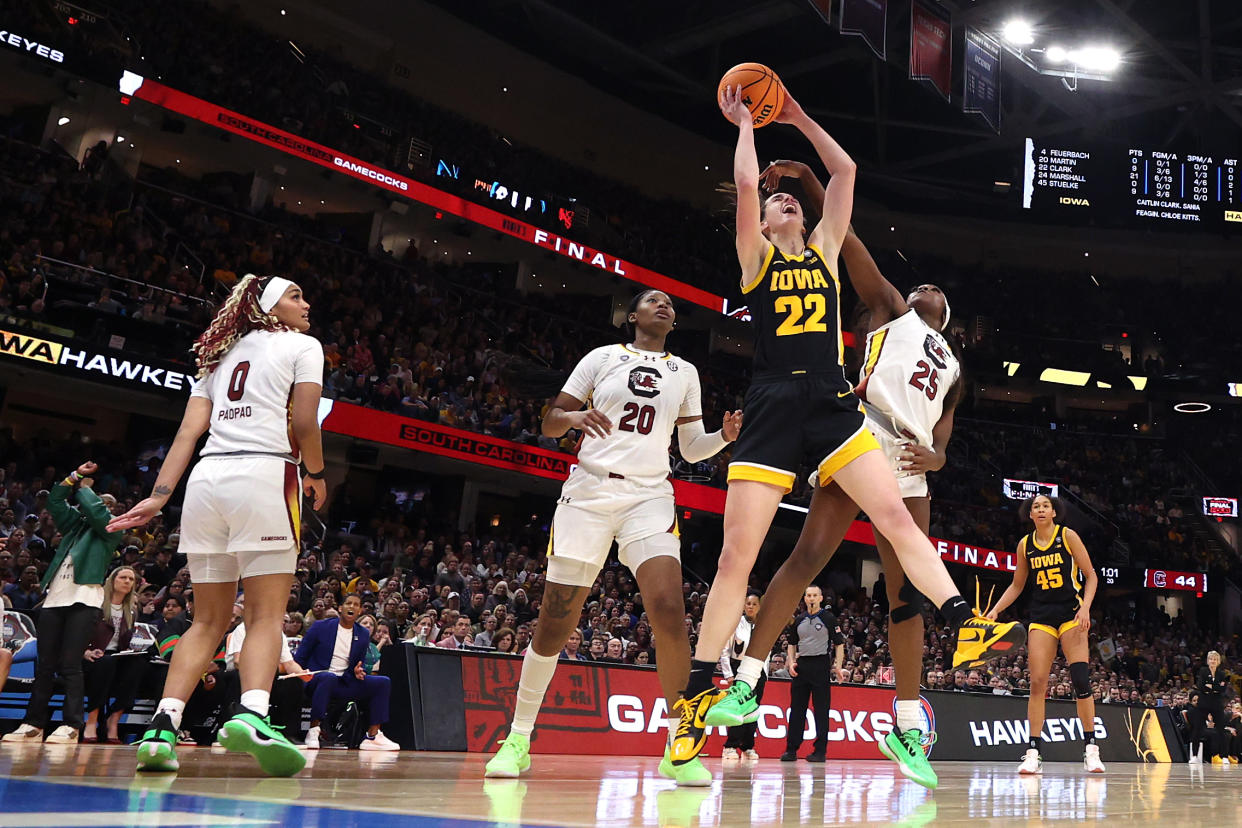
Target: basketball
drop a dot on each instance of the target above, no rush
(762, 91)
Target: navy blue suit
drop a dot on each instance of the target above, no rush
(315, 653)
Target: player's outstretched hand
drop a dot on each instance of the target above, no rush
(140, 515)
(770, 178)
(731, 106)
(593, 422)
(317, 490)
(791, 112)
(732, 425)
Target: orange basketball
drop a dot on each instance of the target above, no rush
(762, 91)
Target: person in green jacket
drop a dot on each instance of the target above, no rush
(74, 584)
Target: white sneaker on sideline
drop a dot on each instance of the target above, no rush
(24, 733)
(751, 755)
(731, 755)
(63, 735)
(378, 742)
(312, 739)
(1091, 759)
(1032, 762)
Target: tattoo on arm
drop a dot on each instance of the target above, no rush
(162, 491)
(558, 600)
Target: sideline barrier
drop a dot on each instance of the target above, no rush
(463, 701)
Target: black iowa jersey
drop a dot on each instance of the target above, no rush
(795, 306)
(1056, 578)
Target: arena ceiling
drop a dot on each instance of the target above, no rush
(1179, 87)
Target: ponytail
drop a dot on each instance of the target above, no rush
(240, 314)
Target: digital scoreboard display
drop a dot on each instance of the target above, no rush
(1116, 185)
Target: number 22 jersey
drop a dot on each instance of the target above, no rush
(642, 393)
(795, 307)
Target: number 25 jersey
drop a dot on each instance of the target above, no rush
(795, 307)
(642, 393)
(906, 375)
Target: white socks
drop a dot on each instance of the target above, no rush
(537, 673)
(749, 671)
(910, 715)
(174, 708)
(256, 701)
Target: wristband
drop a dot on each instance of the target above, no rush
(74, 476)
(315, 475)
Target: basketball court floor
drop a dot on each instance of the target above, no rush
(65, 785)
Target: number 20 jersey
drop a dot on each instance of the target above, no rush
(907, 373)
(795, 307)
(642, 393)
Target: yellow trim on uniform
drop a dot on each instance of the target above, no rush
(763, 269)
(861, 442)
(762, 474)
(1056, 632)
(1055, 533)
(666, 354)
(551, 533)
(875, 345)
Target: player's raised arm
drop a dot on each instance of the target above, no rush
(876, 292)
(751, 244)
(839, 194)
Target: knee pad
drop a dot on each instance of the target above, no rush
(571, 572)
(1080, 677)
(912, 607)
(636, 553)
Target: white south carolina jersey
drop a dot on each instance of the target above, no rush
(251, 392)
(643, 393)
(907, 372)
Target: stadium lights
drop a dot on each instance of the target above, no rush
(64, 119)
(1018, 32)
(1096, 58)
(1192, 408)
(1056, 54)
(120, 139)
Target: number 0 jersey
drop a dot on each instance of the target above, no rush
(795, 306)
(1056, 577)
(907, 372)
(643, 393)
(251, 392)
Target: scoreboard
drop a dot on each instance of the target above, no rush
(1119, 185)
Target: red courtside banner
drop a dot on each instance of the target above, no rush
(200, 110)
(931, 45)
(615, 710)
(355, 421)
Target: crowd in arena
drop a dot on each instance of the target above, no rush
(421, 582)
(418, 337)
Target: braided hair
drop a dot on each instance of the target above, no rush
(239, 315)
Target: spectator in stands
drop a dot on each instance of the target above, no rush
(110, 674)
(26, 594)
(485, 636)
(334, 648)
(505, 641)
(74, 581)
(295, 624)
(363, 582)
(459, 637)
(573, 648)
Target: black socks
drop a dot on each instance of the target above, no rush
(700, 677)
(956, 611)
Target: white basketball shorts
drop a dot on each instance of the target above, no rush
(910, 483)
(594, 510)
(242, 517)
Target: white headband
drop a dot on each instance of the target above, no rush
(946, 312)
(271, 294)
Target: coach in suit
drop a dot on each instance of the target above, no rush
(333, 648)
